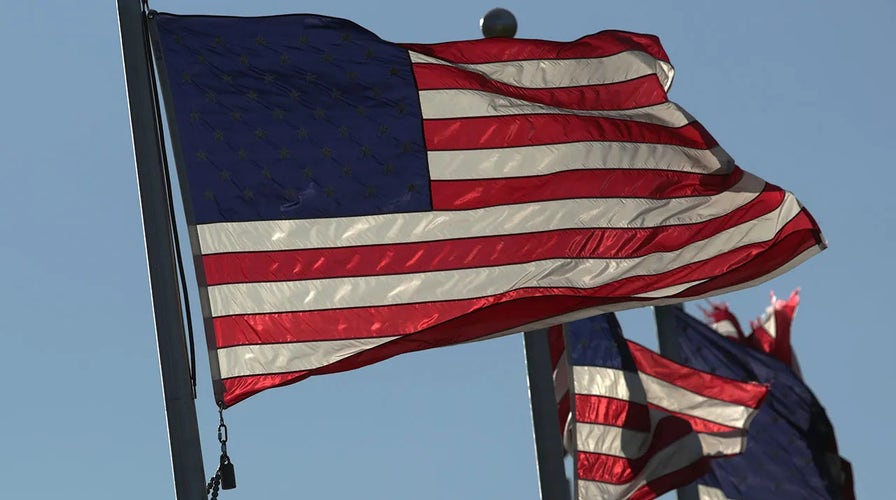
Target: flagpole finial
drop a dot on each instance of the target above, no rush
(498, 23)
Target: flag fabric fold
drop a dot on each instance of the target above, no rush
(792, 450)
(770, 333)
(351, 199)
(640, 425)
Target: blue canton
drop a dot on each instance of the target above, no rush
(292, 117)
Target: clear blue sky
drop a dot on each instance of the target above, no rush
(798, 92)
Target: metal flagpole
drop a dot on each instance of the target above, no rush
(548, 441)
(552, 481)
(180, 410)
(666, 333)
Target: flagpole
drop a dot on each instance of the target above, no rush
(552, 481)
(180, 410)
(666, 335)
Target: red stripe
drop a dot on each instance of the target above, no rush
(762, 341)
(501, 316)
(800, 234)
(508, 311)
(610, 411)
(583, 183)
(621, 470)
(239, 388)
(485, 50)
(494, 132)
(783, 350)
(557, 348)
(635, 93)
(636, 416)
(696, 381)
(783, 315)
(320, 263)
(334, 324)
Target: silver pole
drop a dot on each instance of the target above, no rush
(666, 333)
(180, 410)
(548, 441)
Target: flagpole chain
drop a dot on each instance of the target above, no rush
(225, 467)
(224, 478)
(222, 432)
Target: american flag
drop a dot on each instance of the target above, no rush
(640, 424)
(770, 333)
(351, 199)
(792, 450)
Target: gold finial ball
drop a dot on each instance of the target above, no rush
(498, 22)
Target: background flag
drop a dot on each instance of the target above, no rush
(643, 425)
(724, 321)
(769, 334)
(792, 450)
(352, 199)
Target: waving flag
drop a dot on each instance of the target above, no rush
(352, 199)
(769, 334)
(641, 424)
(723, 321)
(792, 450)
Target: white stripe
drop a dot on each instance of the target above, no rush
(616, 384)
(720, 445)
(677, 399)
(458, 284)
(466, 103)
(555, 73)
(669, 290)
(546, 159)
(611, 440)
(661, 301)
(709, 493)
(769, 322)
(725, 328)
(627, 443)
(279, 358)
(260, 360)
(269, 235)
(674, 457)
(609, 382)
